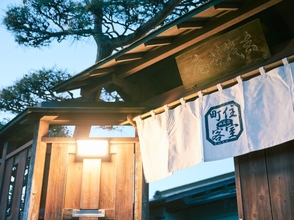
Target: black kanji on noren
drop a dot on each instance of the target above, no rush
(223, 123)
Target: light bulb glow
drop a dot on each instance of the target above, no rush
(92, 148)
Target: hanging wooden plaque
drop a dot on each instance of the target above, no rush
(221, 55)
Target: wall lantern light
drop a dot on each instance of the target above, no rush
(95, 148)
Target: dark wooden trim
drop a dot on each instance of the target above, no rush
(238, 188)
(141, 207)
(17, 192)
(21, 148)
(5, 187)
(2, 164)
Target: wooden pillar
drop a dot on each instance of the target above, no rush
(2, 166)
(141, 211)
(36, 170)
(265, 183)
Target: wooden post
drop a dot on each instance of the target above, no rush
(2, 166)
(141, 211)
(36, 170)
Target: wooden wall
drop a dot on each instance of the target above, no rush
(64, 183)
(92, 184)
(265, 183)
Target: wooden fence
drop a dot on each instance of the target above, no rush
(13, 180)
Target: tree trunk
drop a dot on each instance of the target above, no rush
(104, 48)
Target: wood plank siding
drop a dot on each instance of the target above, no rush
(265, 183)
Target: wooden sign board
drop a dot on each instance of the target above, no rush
(221, 55)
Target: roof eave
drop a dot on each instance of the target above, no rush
(61, 87)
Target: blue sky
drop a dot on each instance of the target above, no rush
(15, 61)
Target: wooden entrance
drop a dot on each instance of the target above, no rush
(41, 178)
(89, 184)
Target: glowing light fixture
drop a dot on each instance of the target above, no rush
(93, 149)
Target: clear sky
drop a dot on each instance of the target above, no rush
(15, 61)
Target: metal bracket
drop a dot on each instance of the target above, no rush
(88, 213)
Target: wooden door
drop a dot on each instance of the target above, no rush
(93, 184)
(265, 183)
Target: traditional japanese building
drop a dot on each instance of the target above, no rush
(207, 51)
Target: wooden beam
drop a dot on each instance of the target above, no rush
(101, 71)
(129, 57)
(227, 6)
(191, 24)
(126, 86)
(136, 92)
(95, 84)
(160, 41)
(73, 140)
(19, 149)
